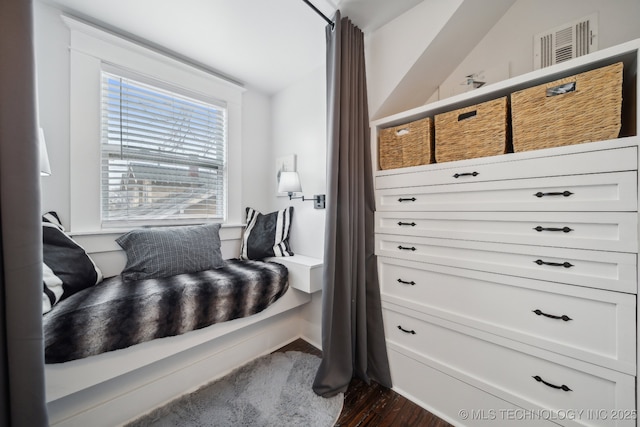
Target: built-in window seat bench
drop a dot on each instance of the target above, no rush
(117, 386)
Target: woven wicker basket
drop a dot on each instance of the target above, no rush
(406, 145)
(581, 108)
(476, 131)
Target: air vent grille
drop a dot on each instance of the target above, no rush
(583, 38)
(566, 42)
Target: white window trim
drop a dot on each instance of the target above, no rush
(90, 47)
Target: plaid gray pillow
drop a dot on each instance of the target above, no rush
(153, 253)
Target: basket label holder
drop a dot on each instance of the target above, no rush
(561, 89)
(467, 115)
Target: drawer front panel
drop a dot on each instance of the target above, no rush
(601, 270)
(512, 372)
(599, 326)
(602, 192)
(610, 231)
(482, 170)
(432, 389)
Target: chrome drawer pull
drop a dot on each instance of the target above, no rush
(406, 283)
(412, 332)
(554, 264)
(563, 229)
(411, 199)
(406, 248)
(400, 223)
(558, 387)
(559, 193)
(551, 316)
(458, 175)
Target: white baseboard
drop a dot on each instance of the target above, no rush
(125, 398)
(312, 341)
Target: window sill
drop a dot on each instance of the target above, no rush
(122, 230)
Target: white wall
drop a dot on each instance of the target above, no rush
(52, 66)
(257, 148)
(299, 127)
(393, 49)
(510, 42)
(409, 57)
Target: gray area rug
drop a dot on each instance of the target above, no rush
(273, 390)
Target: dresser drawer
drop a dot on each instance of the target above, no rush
(598, 192)
(500, 168)
(602, 270)
(607, 231)
(432, 389)
(519, 374)
(599, 326)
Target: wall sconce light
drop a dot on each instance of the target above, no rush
(45, 167)
(290, 183)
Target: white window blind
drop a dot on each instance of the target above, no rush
(162, 154)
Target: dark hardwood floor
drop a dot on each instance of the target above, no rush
(374, 405)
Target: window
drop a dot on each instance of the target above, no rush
(162, 152)
(102, 162)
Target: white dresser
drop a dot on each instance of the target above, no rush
(509, 283)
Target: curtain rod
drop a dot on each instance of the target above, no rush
(318, 12)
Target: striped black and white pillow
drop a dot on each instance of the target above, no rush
(266, 235)
(66, 266)
(52, 218)
(52, 289)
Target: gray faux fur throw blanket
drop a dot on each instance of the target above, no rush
(116, 314)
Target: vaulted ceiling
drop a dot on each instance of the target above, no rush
(267, 45)
(264, 44)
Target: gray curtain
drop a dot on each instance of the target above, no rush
(353, 343)
(22, 401)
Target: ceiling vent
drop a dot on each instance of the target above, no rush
(565, 42)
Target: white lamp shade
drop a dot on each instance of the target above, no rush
(45, 167)
(289, 182)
